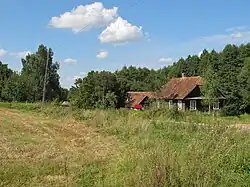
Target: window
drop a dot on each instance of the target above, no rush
(216, 105)
(192, 104)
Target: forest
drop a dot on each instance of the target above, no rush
(228, 70)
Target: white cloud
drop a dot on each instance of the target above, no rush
(102, 54)
(237, 35)
(21, 54)
(3, 52)
(76, 77)
(217, 41)
(234, 29)
(70, 61)
(167, 60)
(228, 38)
(210, 42)
(120, 32)
(85, 17)
(200, 53)
(83, 73)
(68, 81)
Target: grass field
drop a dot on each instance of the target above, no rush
(45, 145)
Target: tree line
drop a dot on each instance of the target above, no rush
(228, 70)
(27, 85)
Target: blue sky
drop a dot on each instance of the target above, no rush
(94, 35)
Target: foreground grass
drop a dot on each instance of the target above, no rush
(45, 145)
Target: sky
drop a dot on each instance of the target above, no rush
(107, 35)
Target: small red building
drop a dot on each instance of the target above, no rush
(135, 100)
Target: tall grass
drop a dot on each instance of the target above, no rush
(174, 154)
(162, 148)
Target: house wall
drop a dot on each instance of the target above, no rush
(198, 105)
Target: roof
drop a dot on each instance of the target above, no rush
(179, 88)
(137, 97)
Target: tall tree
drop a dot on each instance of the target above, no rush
(5, 74)
(192, 63)
(34, 67)
(204, 62)
(230, 66)
(210, 88)
(244, 80)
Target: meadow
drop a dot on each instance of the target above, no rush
(49, 145)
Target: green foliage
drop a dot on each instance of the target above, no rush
(227, 70)
(210, 90)
(244, 80)
(28, 84)
(5, 74)
(34, 67)
(97, 90)
(92, 174)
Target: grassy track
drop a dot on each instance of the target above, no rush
(52, 146)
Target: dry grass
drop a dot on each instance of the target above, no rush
(50, 151)
(120, 148)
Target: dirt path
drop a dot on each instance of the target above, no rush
(31, 141)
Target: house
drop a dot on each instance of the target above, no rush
(185, 93)
(136, 100)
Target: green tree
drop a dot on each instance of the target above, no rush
(97, 90)
(17, 88)
(204, 62)
(34, 67)
(5, 74)
(230, 65)
(244, 80)
(192, 63)
(210, 88)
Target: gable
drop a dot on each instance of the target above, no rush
(196, 93)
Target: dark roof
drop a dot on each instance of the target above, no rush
(179, 88)
(137, 97)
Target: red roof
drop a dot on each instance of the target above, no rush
(136, 98)
(179, 88)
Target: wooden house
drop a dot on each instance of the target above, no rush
(185, 93)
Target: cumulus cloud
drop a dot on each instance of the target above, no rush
(102, 54)
(3, 52)
(85, 17)
(120, 32)
(167, 60)
(21, 54)
(70, 61)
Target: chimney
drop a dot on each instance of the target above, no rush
(182, 75)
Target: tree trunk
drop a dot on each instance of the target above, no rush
(209, 109)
